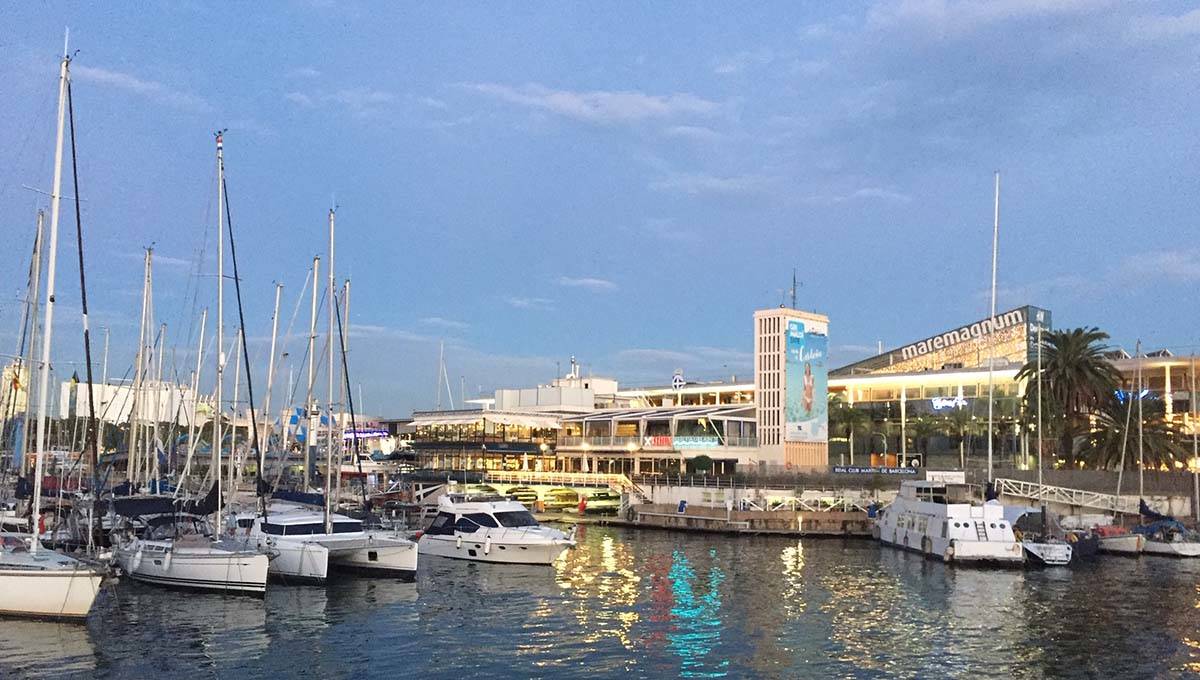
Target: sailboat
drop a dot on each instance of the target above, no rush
(1165, 535)
(178, 547)
(34, 581)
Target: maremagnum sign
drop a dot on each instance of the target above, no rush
(973, 331)
(958, 345)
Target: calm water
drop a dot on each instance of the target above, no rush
(651, 604)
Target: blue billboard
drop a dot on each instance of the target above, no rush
(806, 382)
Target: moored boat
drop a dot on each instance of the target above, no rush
(1120, 541)
(491, 528)
(938, 520)
(44, 584)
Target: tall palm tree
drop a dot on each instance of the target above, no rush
(963, 423)
(1161, 439)
(847, 420)
(1076, 377)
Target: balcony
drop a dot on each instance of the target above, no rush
(657, 442)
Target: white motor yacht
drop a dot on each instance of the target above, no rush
(44, 583)
(491, 528)
(940, 521)
(306, 550)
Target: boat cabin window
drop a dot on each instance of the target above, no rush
(343, 527)
(245, 522)
(442, 524)
(482, 519)
(273, 529)
(932, 494)
(465, 525)
(516, 518)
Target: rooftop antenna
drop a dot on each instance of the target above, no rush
(793, 287)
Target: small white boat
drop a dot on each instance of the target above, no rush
(938, 520)
(1121, 543)
(44, 584)
(194, 562)
(1168, 537)
(491, 528)
(1048, 553)
(305, 551)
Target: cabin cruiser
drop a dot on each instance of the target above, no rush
(167, 542)
(939, 520)
(306, 549)
(491, 528)
(43, 583)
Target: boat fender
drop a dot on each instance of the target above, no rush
(136, 561)
(487, 545)
(458, 542)
(167, 560)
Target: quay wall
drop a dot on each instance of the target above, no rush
(785, 522)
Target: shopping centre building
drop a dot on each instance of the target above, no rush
(781, 419)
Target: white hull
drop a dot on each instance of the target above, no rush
(499, 552)
(1172, 548)
(922, 518)
(49, 593)
(311, 558)
(1048, 554)
(1125, 544)
(200, 565)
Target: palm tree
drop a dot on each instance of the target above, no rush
(1076, 377)
(963, 424)
(1160, 437)
(847, 420)
(923, 428)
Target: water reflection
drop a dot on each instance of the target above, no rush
(647, 604)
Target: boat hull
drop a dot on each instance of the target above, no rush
(469, 548)
(1124, 544)
(1047, 554)
(48, 594)
(199, 567)
(1172, 548)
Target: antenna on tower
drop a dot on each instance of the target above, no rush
(793, 287)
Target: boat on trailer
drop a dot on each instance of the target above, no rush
(939, 520)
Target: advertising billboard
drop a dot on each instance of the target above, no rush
(806, 382)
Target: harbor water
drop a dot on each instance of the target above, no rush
(651, 604)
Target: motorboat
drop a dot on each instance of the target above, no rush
(43, 583)
(491, 528)
(1118, 540)
(306, 549)
(168, 542)
(939, 520)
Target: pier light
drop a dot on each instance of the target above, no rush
(631, 447)
(544, 447)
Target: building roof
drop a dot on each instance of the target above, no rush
(711, 411)
(521, 419)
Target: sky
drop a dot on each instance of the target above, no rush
(522, 183)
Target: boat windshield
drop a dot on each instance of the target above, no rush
(516, 518)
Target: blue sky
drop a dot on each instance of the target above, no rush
(623, 183)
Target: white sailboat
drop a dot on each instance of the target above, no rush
(34, 581)
(178, 548)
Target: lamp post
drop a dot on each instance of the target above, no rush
(884, 438)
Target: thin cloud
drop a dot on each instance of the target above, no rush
(701, 183)
(695, 133)
(865, 193)
(304, 72)
(537, 303)
(598, 106)
(742, 61)
(445, 323)
(1165, 27)
(150, 89)
(588, 282)
(359, 101)
(1182, 266)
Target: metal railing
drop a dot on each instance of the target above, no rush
(607, 442)
(616, 482)
(1066, 496)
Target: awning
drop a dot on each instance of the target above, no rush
(496, 417)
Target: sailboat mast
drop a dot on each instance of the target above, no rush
(215, 463)
(992, 321)
(329, 392)
(308, 394)
(1039, 402)
(44, 375)
(266, 434)
(1141, 453)
(192, 424)
(34, 307)
(1195, 446)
